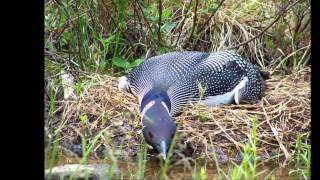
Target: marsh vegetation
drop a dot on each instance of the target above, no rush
(94, 42)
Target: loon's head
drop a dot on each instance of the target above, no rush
(158, 126)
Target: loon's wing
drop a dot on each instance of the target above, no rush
(161, 72)
(180, 74)
(211, 80)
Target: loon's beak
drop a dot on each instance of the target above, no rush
(163, 148)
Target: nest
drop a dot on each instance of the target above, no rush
(283, 112)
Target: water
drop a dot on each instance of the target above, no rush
(129, 168)
(152, 171)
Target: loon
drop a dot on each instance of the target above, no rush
(166, 83)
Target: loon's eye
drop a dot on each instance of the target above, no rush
(150, 134)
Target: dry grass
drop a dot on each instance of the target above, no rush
(281, 114)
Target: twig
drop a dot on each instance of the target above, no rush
(238, 145)
(266, 28)
(94, 23)
(182, 23)
(115, 24)
(211, 16)
(147, 22)
(138, 17)
(114, 5)
(306, 24)
(193, 25)
(159, 23)
(275, 133)
(82, 65)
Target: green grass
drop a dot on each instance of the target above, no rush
(199, 170)
(165, 163)
(142, 154)
(109, 156)
(248, 166)
(52, 106)
(52, 155)
(301, 159)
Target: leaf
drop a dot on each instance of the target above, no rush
(214, 6)
(106, 41)
(119, 62)
(154, 9)
(83, 118)
(162, 50)
(167, 27)
(136, 63)
(166, 14)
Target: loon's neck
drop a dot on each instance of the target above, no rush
(156, 96)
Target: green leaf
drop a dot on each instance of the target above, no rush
(83, 118)
(136, 63)
(214, 6)
(168, 26)
(154, 9)
(166, 14)
(120, 62)
(162, 50)
(106, 41)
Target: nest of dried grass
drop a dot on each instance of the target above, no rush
(283, 112)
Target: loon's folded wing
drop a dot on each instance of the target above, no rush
(207, 80)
